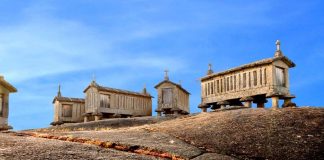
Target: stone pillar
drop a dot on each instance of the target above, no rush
(223, 104)
(97, 118)
(86, 119)
(248, 104)
(288, 103)
(287, 100)
(260, 105)
(275, 102)
(247, 101)
(1, 107)
(203, 107)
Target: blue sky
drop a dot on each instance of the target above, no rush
(127, 44)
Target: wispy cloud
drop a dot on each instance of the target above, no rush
(42, 45)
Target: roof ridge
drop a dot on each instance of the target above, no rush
(178, 85)
(252, 64)
(7, 85)
(124, 91)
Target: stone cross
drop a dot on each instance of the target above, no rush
(166, 77)
(210, 71)
(209, 66)
(278, 45)
(144, 89)
(59, 91)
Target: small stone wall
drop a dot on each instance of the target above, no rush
(112, 123)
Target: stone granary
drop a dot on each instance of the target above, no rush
(67, 110)
(172, 98)
(5, 89)
(104, 102)
(250, 83)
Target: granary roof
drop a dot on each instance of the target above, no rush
(7, 85)
(68, 99)
(168, 81)
(102, 88)
(253, 64)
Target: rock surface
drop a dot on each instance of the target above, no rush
(109, 123)
(15, 147)
(289, 133)
(213, 156)
(140, 137)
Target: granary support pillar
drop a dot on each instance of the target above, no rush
(247, 101)
(86, 119)
(223, 104)
(97, 116)
(176, 111)
(214, 106)
(288, 102)
(275, 99)
(204, 110)
(158, 112)
(275, 102)
(248, 104)
(203, 107)
(260, 103)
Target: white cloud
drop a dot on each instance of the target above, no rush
(43, 45)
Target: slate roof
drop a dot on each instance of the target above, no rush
(109, 89)
(254, 64)
(7, 85)
(69, 99)
(168, 81)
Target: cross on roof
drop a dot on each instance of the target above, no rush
(166, 77)
(278, 45)
(209, 66)
(59, 91)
